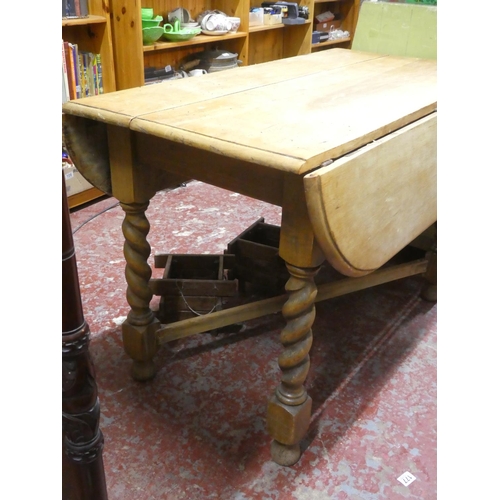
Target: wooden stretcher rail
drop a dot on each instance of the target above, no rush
(246, 312)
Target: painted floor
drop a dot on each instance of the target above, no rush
(197, 430)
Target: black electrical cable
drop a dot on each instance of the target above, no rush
(95, 215)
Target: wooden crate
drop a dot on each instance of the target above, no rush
(257, 260)
(192, 284)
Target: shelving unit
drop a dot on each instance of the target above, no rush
(93, 34)
(256, 44)
(345, 10)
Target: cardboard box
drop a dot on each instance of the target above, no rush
(336, 23)
(75, 183)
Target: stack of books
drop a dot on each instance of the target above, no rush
(81, 73)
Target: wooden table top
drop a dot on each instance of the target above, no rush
(291, 114)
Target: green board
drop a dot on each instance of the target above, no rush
(397, 29)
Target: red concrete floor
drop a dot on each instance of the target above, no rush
(197, 431)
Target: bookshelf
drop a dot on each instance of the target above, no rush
(93, 34)
(253, 44)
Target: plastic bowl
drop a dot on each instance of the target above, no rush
(151, 35)
(181, 35)
(147, 13)
(151, 23)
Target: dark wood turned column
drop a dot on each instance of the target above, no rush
(83, 469)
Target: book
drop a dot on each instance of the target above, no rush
(84, 8)
(94, 74)
(88, 57)
(76, 68)
(75, 8)
(83, 74)
(65, 84)
(68, 52)
(70, 8)
(99, 74)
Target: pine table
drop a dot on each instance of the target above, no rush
(343, 141)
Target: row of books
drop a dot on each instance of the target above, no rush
(75, 8)
(81, 73)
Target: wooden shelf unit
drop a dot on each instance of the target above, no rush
(256, 44)
(93, 34)
(345, 10)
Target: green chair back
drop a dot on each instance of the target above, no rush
(399, 29)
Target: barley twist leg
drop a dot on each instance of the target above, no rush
(289, 409)
(139, 329)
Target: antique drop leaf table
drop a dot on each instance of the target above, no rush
(343, 141)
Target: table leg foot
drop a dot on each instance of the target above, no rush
(141, 345)
(289, 410)
(284, 454)
(288, 425)
(143, 371)
(429, 292)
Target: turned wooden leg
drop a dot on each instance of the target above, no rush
(289, 409)
(83, 441)
(139, 329)
(430, 290)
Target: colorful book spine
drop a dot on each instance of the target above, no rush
(83, 74)
(68, 52)
(94, 74)
(80, 74)
(74, 48)
(65, 83)
(99, 74)
(89, 72)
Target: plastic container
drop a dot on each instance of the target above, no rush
(256, 16)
